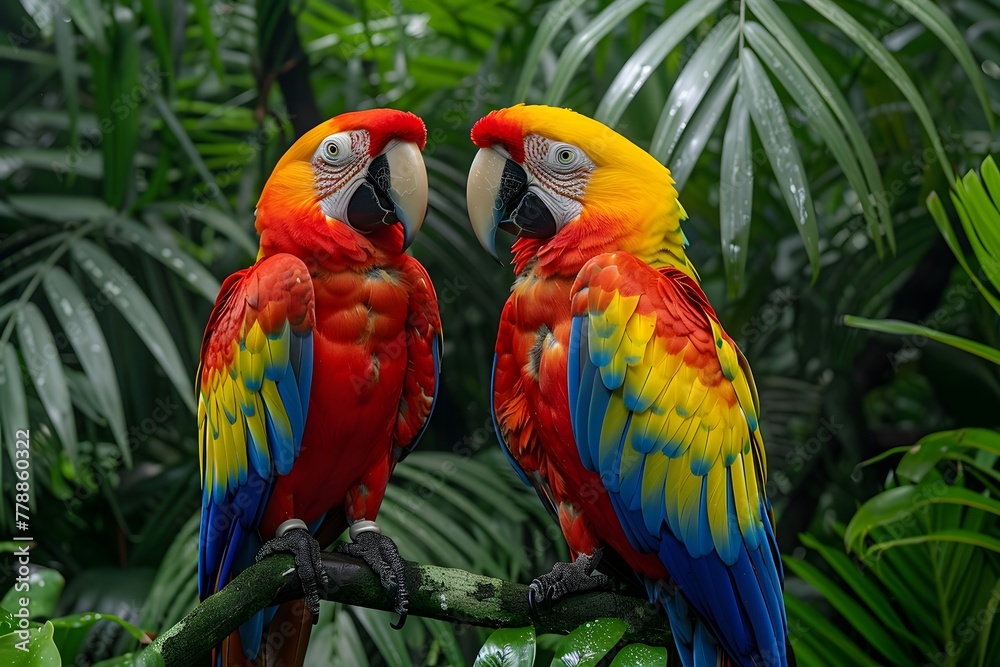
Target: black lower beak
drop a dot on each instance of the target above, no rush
(370, 205)
(524, 212)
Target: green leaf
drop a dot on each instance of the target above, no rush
(936, 209)
(957, 535)
(893, 70)
(703, 125)
(807, 98)
(938, 22)
(13, 402)
(650, 55)
(41, 650)
(929, 450)
(554, 20)
(175, 259)
(41, 358)
(508, 647)
(863, 586)
(211, 187)
(805, 623)
(204, 16)
(62, 208)
(779, 144)
(691, 86)
(214, 218)
(910, 329)
(583, 43)
(585, 646)
(897, 507)
(66, 52)
(784, 31)
(736, 193)
(71, 631)
(45, 585)
(864, 623)
(120, 288)
(389, 642)
(640, 655)
(79, 322)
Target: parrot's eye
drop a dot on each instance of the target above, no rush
(565, 157)
(335, 150)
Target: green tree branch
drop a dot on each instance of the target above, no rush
(435, 592)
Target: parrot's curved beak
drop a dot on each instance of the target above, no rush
(493, 183)
(407, 187)
(498, 198)
(394, 190)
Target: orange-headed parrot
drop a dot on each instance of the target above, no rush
(319, 369)
(616, 392)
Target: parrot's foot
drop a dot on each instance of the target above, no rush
(292, 537)
(566, 578)
(381, 554)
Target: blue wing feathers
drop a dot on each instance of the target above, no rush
(731, 591)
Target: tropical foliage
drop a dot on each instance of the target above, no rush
(805, 138)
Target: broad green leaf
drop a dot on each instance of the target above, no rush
(808, 625)
(938, 22)
(808, 99)
(585, 646)
(929, 450)
(161, 42)
(786, 34)
(204, 16)
(42, 359)
(61, 208)
(221, 222)
(980, 218)
(936, 209)
(896, 508)
(79, 322)
(55, 160)
(650, 55)
(736, 193)
(959, 536)
(864, 587)
(508, 647)
(175, 259)
(691, 86)
(555, 19)
(65, 46)
(71, 631)
(583, 43)
(703, 125)
(910, 329)
(640, 655)
(867, 625)
(13, 402)
(45, 585)
(388, 641)
(197, 163)
(120, 288)
(41, 650)
(772, 127)
(893, 70)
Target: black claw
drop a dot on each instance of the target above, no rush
(383, 557)
(532, 606)
(308, 564)
(565, 578)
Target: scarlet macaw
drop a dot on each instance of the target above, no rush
(319, 368)
(616, 392)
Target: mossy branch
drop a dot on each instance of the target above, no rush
(435, 592)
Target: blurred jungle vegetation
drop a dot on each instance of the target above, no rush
(806, 137)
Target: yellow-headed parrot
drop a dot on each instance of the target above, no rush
(319, 370)
(616, 392)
